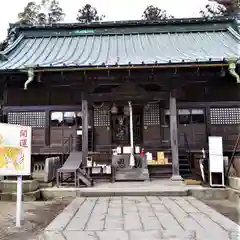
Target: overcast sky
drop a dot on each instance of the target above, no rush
(113, 9)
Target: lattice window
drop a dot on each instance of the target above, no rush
(151, 114)
(102, 117)
(225, 116)
(33, 119)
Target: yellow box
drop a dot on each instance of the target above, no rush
(166, 161)
(161, 161)
(160, 155)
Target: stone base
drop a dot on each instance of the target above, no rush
(134, 174)
(45, 185)
(10, 186)
(234, 182)
(26, 197)
(176, 178)
(210, 193)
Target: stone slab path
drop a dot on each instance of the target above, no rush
(140, 218)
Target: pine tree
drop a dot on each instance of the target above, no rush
(89, 14)
(223, 8)
(153, 13)
(29, 14)
(55, 12)
(48, 12)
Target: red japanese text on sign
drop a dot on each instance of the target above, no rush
(23, 137)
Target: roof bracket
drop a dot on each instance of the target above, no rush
(232, 70)
(30, 78)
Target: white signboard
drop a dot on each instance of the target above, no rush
(215, 154)
(216, 164)
(15, 150)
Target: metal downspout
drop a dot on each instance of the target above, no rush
(30, 78)
(232, 71)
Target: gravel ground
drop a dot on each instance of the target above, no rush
(37, 215)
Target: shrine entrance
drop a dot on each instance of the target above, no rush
(120, 123)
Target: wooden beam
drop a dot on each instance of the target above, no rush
(121, 97)
(84, 129)
(174, 137)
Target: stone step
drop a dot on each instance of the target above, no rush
(132, 175)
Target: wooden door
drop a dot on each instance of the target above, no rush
(192, 128)
(56, 128)
(63, 124)
(102, 131)
(225, 121)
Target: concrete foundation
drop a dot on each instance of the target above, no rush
(8, 189)
(155, 188)
(26, 197)
(234, 182)
(10, 186)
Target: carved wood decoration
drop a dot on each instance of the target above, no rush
(129, 91)
(120, 125)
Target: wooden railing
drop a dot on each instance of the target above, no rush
(188, 152)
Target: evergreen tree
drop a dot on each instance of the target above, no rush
(29, 14)
(223, 8)
(55, 12)
(153, 13)
(89, 14)
(48, 12)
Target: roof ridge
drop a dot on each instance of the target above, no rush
(127, 23)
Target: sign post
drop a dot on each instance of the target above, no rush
(15, 158)
(19, 211)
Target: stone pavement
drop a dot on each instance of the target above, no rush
(140, 218)
(146, 188)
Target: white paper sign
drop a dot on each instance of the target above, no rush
(15, 150)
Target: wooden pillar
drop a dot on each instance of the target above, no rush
(84, 129)
(174, 137)
(47, 127)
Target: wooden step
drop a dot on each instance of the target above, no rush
(84, 178)
(160, 171)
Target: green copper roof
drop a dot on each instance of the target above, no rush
(111, 46)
